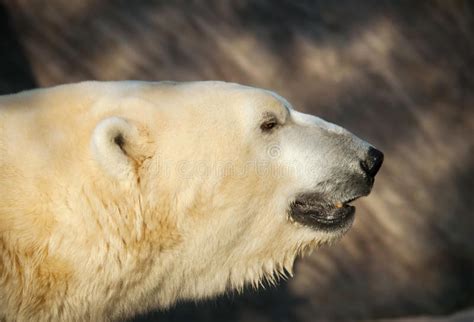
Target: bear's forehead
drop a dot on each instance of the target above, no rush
(225, 101)
(260, 97)
(265, 104)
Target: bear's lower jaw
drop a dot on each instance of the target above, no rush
(312, 211)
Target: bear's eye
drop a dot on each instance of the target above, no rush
(268, 125)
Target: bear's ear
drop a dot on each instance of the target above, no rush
(120, 146)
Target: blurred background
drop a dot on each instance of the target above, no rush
(398, 73)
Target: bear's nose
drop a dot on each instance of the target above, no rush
(373, 162)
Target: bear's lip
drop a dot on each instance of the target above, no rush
(312, 211)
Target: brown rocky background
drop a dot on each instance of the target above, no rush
(397, 73)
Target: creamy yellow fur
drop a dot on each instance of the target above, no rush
(96, 229)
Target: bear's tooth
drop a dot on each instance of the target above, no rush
(338, 204)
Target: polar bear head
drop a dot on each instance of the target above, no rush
(239, 179)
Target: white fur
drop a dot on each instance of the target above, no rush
(193, 204)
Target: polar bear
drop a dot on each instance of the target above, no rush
(120, 197)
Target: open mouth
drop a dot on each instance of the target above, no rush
(312, 210)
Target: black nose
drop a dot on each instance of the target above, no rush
(373, 162)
